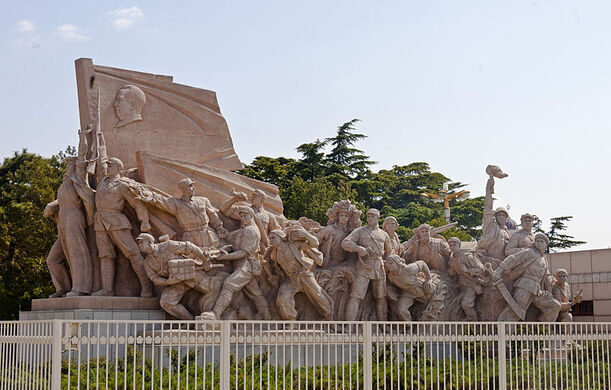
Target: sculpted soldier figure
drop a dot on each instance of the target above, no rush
(494, 233)
(344, 217)
(413, 279)
(469, 270)
(112, 228)
(73, 210)
(372, 245)
(523, 238)
(157, 268)
(390, 226)
(562, 293)
(434, 251)
(265, 221)
(194, 214)
(246, 267)
(287, 252)
(531, 268)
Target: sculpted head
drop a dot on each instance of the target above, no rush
(390, 224)
(501, 215)
(246, 215)
(345, 214)
(527, 221)
(424, 232)
(114, 166)
(258, 198)
(187, 189)
(541, 242)
(70, 165)
(373, 217)
(393, 263)
(128, 105)
(561, 276)
(454, 244)
(276, 237)
(145, 243)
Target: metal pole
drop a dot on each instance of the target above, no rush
(225, 348)
(367, 352)
(502, 357)
(56, 355)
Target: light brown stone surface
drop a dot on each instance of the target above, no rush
(89, 302)
(177, 121)
(214, 183)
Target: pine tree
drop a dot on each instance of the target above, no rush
(343, 158)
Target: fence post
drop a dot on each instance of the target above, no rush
(502, 356)
(56, 355)
(367, 358)
(225, 349)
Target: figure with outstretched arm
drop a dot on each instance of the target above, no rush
(494, 233)
(112, 228)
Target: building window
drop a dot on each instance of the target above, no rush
(584, 308)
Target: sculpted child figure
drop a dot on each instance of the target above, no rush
(562, 293)
(290, 254)
(372, 245)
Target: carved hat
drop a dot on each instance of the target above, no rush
(259, 193)
(184, 183)
(454, 239)
(501, 210)
(543, 236)
(145, 237)
(527, 215)
(115, 161)
(279, 233)
(376, 212)
(245, 210)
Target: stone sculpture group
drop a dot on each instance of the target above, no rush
(237, 260)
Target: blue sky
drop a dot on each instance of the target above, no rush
(459, 84)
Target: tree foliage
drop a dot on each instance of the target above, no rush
(27, 183)
(557, 239)
(335, 169)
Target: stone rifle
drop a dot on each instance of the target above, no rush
(443, 228)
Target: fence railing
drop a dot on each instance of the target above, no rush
(77, 354)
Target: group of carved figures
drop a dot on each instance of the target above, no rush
(268, 267)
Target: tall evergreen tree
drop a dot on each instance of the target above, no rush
(343, 158)
(312, 163)
(557, 239)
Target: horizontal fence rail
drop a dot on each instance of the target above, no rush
(82, 354)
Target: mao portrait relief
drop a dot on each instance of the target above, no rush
(128, 105)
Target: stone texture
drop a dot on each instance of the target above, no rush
(581, 262)
(601, 260)
(559, 260)
(177, 121)
(97, 303)
(602, 307)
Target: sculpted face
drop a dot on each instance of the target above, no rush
(391, 226)
(527, 223)
(343, 218)
(562, 278)
(112, 169)
(425, 235)
(123, 108)
(188, 190)
(257, 201)
(454, 246)
(145, 246)
(540, 244)
(245, 218)
(372, 219)
(501, 218)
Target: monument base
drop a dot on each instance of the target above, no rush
(94, 308)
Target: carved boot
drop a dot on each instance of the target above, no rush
(222, 302)
(146, 290)
(107, 275)
(262, 308)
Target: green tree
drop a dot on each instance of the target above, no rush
(344, 158)
(27, 183)
(557, 239)
(312, 163)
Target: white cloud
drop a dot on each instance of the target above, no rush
(70, 32)
(124, 18)
(25, 26)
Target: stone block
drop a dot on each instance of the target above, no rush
(102, 315)
(602, 318)
(559, 260)
(83, 314)
(121, 315)
(140, 315)
(601, 260)
(583, 319)
(581, 262)
(96, 303)
(602, 307)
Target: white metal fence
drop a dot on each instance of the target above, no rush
(75, 354)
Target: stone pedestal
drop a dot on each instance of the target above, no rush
(94, 308)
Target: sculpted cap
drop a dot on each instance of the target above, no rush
(259, 193)
(542, 236)
(454, 239)
(501, 210)
(184, 183)
(115, 161)
(245, 210)
(376, 212)
(145, 237)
